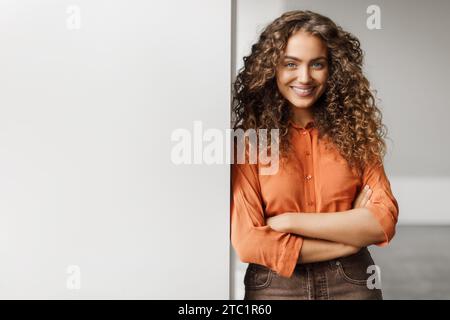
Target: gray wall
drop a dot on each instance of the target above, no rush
(407, 62)
(86, 117)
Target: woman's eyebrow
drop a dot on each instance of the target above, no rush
(297, 59)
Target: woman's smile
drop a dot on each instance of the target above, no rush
(303, 91)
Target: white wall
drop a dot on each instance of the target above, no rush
(86, 117)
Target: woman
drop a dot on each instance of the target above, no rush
(305, 229)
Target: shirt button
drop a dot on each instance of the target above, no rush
(308, 177)
(304, 132)
(308, 153)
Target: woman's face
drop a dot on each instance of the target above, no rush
(303, 71)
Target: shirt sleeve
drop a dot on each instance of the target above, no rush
(382, 203)
(252, 239)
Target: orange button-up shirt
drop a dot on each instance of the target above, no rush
(318, 180)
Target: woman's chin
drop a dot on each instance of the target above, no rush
(303, 104)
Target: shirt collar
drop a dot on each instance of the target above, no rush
(310, 124)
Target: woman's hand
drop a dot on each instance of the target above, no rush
(281, 222)
(363, 198)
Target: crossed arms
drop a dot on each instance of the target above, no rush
(328, 236)
(282, 241)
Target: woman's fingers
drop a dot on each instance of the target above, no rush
(363, 197)
(360, 197)
(366, 197)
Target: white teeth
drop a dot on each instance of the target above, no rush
(303, 91)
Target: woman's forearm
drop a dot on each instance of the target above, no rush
(316, 250)
(356, 227)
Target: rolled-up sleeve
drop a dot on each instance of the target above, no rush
(382, 203)
(252, 239)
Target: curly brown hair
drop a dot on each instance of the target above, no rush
(346, 112)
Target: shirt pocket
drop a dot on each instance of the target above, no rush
(339, 183)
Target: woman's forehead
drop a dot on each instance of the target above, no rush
(305, 46)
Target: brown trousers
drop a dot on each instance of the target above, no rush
(338, 279)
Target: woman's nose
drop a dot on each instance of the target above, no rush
(304, 75)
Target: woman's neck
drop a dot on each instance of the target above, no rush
(301, 116)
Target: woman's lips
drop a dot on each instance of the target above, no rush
(303, 92)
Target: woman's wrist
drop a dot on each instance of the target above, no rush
(291, 222)
(283, 223)
(349, 250)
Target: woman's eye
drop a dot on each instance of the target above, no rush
(317, 65)
(290, 65)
